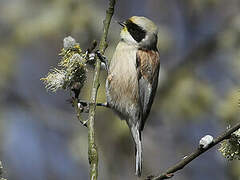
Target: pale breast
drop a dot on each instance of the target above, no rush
(121, 85)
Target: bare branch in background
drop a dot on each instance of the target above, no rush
(200, 150)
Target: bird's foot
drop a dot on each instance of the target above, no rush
(103, 104)
(103, 59)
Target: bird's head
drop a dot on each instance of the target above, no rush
(140, 32)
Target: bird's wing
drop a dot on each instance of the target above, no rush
(148, 69)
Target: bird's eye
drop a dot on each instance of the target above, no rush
(136, 31)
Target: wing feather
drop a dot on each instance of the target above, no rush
(148, 69)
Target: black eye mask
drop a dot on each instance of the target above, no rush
(136, 31)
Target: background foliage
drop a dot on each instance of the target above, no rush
(198, 94)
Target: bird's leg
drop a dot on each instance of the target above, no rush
(90, 54)
(84, 105)
(80, 107)
(103, 59)
(103, 104)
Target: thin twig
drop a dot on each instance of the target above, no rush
(92, 148)
(1, 169)
(181, 164)
(1, 172)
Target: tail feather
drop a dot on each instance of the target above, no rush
(138, 148)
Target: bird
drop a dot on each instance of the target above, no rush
(132, 78)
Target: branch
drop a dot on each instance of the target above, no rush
(92, 148)
(181, 164)
(1, 169)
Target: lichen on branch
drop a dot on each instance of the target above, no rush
(230, 148)
(71, 75)
(71, 69)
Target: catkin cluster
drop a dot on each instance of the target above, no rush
(71, 68)
(230, 148)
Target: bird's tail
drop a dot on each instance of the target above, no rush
(138, 150)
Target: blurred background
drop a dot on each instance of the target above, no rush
(40, 136)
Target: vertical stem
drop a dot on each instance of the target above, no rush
(1, 169)
(92, 148)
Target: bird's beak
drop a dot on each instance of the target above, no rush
(121, 23)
